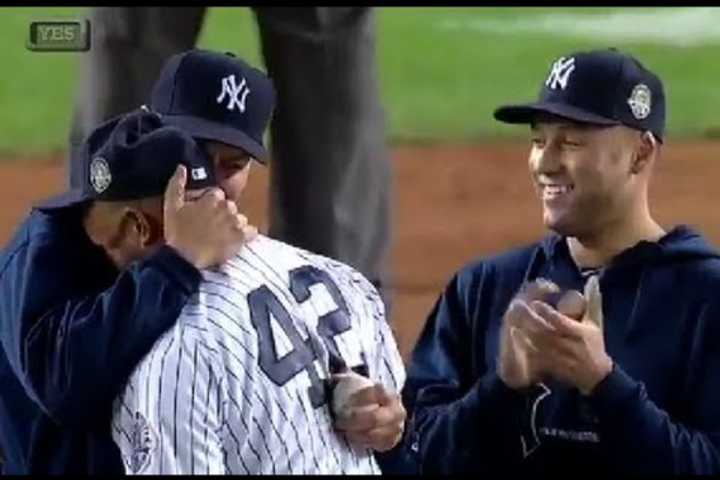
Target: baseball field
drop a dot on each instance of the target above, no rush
(461, 183)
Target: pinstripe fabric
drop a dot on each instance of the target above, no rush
(228, 388)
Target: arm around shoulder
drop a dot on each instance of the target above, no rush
(73, 352)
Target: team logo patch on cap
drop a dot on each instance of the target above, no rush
(640, 101)
(235, 93)
(100, 176)
(198, 173)
(560, 73)
(143, 441)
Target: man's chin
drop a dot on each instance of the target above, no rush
(558, 225)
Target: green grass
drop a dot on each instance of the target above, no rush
(441, 77)
(444, 84)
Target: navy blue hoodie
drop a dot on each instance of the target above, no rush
(657, 412)
(72, 330)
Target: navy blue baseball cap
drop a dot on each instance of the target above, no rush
(216, 96)
(133, 156)
(600, 87)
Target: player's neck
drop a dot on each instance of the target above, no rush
(600, 248)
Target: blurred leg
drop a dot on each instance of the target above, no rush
(330, 173)
(128, 48)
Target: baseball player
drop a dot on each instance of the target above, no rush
(65, 305)
(239, 385)
(242, 384)
(504, 379)
(224, 103)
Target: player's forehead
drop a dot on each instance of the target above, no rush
(548, 123)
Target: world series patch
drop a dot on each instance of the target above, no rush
(143, 442)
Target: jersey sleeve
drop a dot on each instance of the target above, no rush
(636, 428)
(170, 417)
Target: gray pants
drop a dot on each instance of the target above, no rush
(330, 177)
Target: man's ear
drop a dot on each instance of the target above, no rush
(644, 153)
(141, 226)
(127, 228)
(155, 231)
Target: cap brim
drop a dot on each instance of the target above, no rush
(207, 130)
(528, 112)
(71, 198)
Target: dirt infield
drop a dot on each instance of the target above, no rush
(453, 203)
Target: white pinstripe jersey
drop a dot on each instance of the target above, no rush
(236, 386)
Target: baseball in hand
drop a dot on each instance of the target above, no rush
(572, 304)
(348, 384)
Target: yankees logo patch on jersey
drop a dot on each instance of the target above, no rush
(143, 441)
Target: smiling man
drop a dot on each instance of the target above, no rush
(504, 378)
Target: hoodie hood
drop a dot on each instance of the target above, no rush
(680, 244)
(684, 243)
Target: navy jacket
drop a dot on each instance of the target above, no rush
(657, 412)
(72, 329)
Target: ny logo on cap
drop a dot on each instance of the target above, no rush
(560, 73)
(236, 94)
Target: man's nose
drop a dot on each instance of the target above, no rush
(548, 160)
